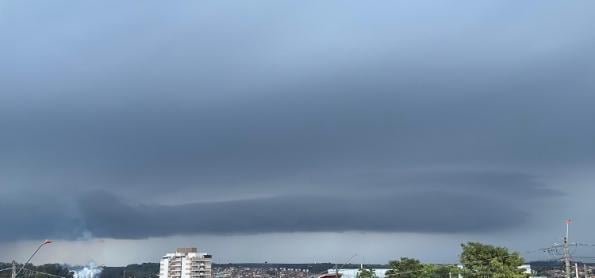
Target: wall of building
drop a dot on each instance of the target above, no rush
(352, 273)
(185, 263)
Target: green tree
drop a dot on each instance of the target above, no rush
(482, 260)
(409, 268)
(442, 271)
(366, 273)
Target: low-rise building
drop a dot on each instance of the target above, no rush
(352, 273)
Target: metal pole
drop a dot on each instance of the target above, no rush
(28, 260)
(576, 269)
(32, 255)
(566, 251)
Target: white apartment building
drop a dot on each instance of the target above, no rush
(185, 263)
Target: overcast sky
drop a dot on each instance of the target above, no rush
(294, 131)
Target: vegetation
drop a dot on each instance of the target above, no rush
(409, 268)
(482, 260)
(30, 270)
(442, 271)
(131, 271)
(366, 273)
(478, 260)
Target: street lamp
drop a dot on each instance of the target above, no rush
(36, 250)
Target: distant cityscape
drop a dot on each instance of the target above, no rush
(190, 262)
(550, 269)
(476, 260)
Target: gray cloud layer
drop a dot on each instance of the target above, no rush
(405, 212)
(439, 123)
(422, 202)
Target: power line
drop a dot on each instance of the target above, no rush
(564, 251)
(41, 272)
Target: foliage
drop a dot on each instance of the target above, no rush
(54, 269)
(442, 271)
(409, 268)
(366, 273)
(131, 271)
(482, 260)
(412, 268)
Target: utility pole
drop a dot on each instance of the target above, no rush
(566, 251)
(337, 266)
(14, 270)
(576, 269)
(32, 255)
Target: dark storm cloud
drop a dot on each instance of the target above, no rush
(432, 202)
(209, 101)
(511, 185)
(35, 216)
(106, 216)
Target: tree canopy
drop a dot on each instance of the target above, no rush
(409, 268)
(366, 273)
(483, 260)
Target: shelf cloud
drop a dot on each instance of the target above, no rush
(195, 118)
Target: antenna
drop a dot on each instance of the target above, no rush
(563, 252)
(566, 250)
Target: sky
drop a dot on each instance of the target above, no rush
(288, 131)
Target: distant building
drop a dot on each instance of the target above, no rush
(526, 269)
(352, 273)
(185, 263)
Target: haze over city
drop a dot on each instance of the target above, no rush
(294, 131)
